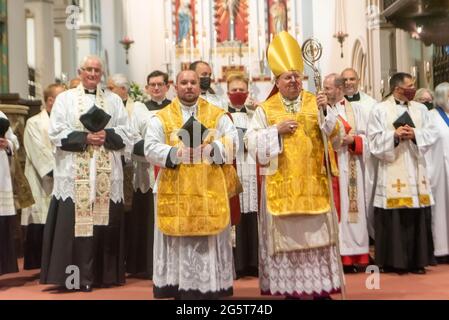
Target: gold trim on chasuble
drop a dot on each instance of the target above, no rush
(192, 199)
(299, 186)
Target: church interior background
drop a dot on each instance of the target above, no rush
(41, 41)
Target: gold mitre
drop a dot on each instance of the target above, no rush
(284, 54)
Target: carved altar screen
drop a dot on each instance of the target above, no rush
(277, 16)
(231, 21)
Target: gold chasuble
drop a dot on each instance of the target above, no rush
(299, 185)
(192, 199)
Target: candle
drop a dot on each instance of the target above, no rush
(167, 52)
(249, 58)
(381, 83)
(174, 59)
(427, 66)
(184, 46)
(215, 54)
(260, 47)
(191, 48)
(203, 45)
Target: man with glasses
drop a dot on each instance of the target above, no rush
(83, 234)
(157, 87)
(400, 132)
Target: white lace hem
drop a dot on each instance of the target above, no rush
(204, 264)
(64, 188)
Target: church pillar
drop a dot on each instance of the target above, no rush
(89, 34)
(17, 52)
(382, 50)
(403, 58)
(68, 40)
(42, 11)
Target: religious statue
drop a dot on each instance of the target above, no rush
(278, 16)
(185, 20)
(229, 9)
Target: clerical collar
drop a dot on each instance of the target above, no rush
(191, 109)
(94, 91)
(292, 106)
(125, 102)
(355, 97)
(233, 110)
(402, 103)
(159, 103)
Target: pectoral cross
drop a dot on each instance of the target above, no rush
(399, 185)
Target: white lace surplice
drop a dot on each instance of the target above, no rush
(62, 123)
(191, 263)
(313, 269)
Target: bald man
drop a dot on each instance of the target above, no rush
(192, 241)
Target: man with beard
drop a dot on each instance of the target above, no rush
(192, 240)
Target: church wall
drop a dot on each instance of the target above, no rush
(324, 28)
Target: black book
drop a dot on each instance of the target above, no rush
(192, 133)
(95, 119)
(403, 120)
(4, 126)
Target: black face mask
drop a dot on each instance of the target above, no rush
(205, 83)
(429, 105)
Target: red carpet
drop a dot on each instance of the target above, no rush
(433, 285)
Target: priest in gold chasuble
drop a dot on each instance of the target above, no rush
(400, 133)
(297, 252)
(84, 228)
(192, 235)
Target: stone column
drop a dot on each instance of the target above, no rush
(42, 11)
(17, 51)
(89, 34)
(68, 39)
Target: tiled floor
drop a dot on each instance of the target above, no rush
(434, 285)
